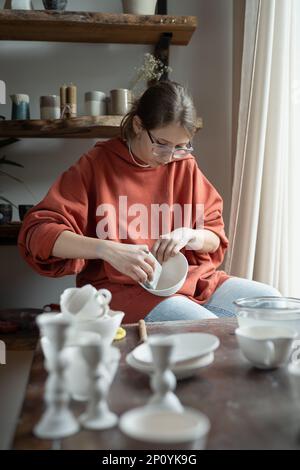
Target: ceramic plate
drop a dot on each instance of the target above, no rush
(164, 426)
(180, 371)
(188, 346)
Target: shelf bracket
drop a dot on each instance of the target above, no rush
(161, 50)
(162, 7)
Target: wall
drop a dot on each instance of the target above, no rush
(205, 66)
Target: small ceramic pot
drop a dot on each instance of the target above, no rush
(139, 7)
(20, 106)
(95, 103)
(50, 107)
(5, 213)
(121, 101)
(55, 4)
(23, 208)
(18, 5)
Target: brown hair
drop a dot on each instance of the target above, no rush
(161, 104)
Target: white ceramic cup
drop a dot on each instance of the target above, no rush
(266, 347)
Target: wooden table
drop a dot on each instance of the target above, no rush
(248, 408)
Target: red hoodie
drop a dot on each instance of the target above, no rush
(101, 176)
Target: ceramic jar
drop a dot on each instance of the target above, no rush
(95, 103)
(120, 101)
(50, 107)
(139, 7)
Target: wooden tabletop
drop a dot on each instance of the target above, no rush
(248, 408)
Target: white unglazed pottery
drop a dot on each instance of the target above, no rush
(85, 303)
(188, 346)
(57, 420)
(182, 370)
(266, 347)
(163, 429)
(172, 277)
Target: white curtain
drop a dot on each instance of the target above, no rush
(264, 227)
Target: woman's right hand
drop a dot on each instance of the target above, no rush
(131, 260)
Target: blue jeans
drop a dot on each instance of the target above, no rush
(220, 303)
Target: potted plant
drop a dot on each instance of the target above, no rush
(6, 208)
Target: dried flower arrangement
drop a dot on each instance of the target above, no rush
(151, 70)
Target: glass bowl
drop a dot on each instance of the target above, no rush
(267, 311)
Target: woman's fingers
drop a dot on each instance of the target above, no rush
(167, 248)
(170, 249)
(150, 262)
(143, 273)
(147, 268)
(161, 250)
(155, 247)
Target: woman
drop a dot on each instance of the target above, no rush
(95, 220)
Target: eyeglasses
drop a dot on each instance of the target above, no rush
(164, 151)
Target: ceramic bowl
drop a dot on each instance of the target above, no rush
(173, 276)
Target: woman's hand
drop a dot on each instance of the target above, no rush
(171, 243)
(131, 260)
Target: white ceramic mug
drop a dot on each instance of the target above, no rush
(85, 303)
(266, 347)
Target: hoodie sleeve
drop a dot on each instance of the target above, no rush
(65, 207)
(211, 219)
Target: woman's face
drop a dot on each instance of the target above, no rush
(172, 135)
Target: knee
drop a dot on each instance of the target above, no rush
(259, 289)
(178, 308)
(267, 290)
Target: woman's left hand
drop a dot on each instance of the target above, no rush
(171, 243)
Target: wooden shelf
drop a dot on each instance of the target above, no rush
(79, 127)
(78, 26)
(9, 233)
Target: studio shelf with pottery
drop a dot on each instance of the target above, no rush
(160, 30)
(82, 26)
(80, 127)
